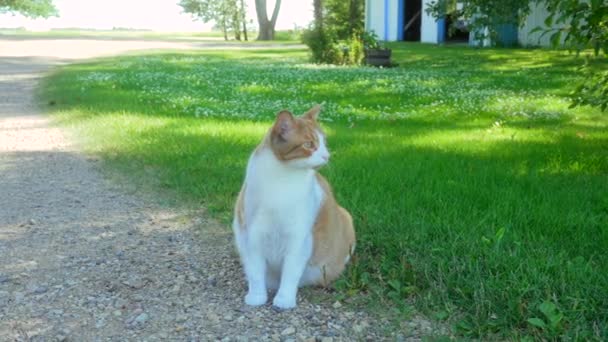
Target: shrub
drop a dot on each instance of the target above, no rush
(321, 45)
(356, 51)
(326, 49)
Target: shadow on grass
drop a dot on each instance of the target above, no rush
(431, 219)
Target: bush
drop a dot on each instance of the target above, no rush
(334, 37)
(326, 49)
(322, 46)
(294, 34)
(356, 51)
(370, 40)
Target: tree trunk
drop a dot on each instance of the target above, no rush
(352, 17)
(236, 25)
(244, 19)
(224, 29)
(318, 14)
(245, 29)
(266, 31)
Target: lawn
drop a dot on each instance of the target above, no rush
(477, 194)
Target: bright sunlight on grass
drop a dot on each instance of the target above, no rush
(475, 191)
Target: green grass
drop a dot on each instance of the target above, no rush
(476, 192)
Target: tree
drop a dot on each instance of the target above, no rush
(29, 8)
(335, 36)
(583, 24)
(226, 14)
(266, 26)
(485, 16)
(244, 18)
(316, 38)
(577, 24)
(345, 17)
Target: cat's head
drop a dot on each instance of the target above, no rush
(299, 141)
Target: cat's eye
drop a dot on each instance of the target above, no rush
(307, 144)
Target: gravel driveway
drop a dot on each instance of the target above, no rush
(86, 259)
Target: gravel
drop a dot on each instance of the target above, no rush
(85, 259)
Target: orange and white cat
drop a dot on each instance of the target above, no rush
(289, 230)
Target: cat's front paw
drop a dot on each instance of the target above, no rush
(284, 302)
(256, 299)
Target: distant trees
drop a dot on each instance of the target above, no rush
(228, 15)
(29, 8)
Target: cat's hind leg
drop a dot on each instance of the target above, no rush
(312, 276)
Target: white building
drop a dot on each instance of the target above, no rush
(407, 20)
(387, 18)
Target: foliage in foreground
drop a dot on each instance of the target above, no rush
(476, 192)
(578, 25)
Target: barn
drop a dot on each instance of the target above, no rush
(407, 20)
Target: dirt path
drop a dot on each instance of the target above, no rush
(84, 260)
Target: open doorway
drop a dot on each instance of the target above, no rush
(412, 15)
(457, 27)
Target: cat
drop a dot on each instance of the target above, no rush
(289, 229)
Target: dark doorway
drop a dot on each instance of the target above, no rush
(411, 24)
(457, 29)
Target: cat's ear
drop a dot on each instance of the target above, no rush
(313, 113)
(283, 124)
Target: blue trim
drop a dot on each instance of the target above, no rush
(440, 30)
(400, 18)
(385, 20)
(507, 35)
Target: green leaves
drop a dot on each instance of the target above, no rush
(537, 322)
(496, 240)
(593, 91)
(552, 315)
(334, 37)
(585, 26)
(577, 24)
(483, 15)
(552, 319)
(29, 8)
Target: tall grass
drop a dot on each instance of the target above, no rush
(476, 192)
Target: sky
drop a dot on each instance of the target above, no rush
(158, 15)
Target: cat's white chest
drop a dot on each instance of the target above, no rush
(279, 193)
(281, 205)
